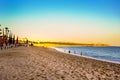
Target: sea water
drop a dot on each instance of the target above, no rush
(111, 54)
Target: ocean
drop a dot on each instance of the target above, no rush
(110, 54)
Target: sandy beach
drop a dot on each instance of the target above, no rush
(38, 63)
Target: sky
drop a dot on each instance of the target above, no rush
(83, 21)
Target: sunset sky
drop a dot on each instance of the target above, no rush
(84, 21)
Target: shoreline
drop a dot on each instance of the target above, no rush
(40, 63)
(61, 50)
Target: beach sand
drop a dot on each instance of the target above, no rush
(38, 63)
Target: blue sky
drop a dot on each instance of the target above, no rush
(101, 8)
(82, 19)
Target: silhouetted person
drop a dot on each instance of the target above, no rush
(81, 53)
(31, 44)
(69, 51)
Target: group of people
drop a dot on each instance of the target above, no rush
(9, 40)
(6, 42)
(73, 52)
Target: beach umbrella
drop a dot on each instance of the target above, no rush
(3, 40)
(10, 38)
(17, 40)
(6, 31)
(13, 39)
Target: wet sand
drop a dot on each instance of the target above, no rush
(38, 63)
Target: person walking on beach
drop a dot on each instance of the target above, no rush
(69, 51)
(81, 53)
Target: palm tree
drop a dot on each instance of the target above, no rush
(6, 31)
